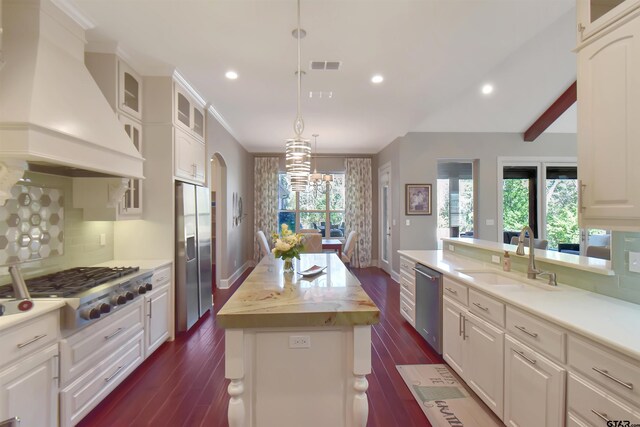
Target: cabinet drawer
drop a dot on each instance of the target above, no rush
(88, 347)
(86, 392)
(407, 309)
(486, 307)
(613, 371)
(31, 335)
(407, 266)
(455, 290)
(536, 332)
(588, 405)
(161, 276)
(408, 287)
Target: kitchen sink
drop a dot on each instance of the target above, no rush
(497, 278)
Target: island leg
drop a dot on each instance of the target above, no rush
(361, 367)
(234, 370)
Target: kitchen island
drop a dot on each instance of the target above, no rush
(298, 349)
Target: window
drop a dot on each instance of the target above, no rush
(455, 199)
(323, 211)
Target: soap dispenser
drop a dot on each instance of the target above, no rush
(506, 261)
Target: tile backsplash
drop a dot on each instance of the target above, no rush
(81, 238)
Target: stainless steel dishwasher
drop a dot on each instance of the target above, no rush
(429, 306)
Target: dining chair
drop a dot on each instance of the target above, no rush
(264, 243)
(349, 247)
(312, 243)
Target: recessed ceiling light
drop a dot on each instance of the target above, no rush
(231, 75)
(377, 79)
(487, 89)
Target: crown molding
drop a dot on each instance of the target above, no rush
(212, 110)
(72, 12)
(190, 89)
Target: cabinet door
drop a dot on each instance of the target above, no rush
(29, 389)
(129, 91)
(198, 122)
(182, 107)
(132, 200)
(484, 361)
(189, 157)
(534, 388)
(596, 15)
(157, 323)
(609, 129)
(452, 343)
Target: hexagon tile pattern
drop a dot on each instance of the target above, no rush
(31, 224)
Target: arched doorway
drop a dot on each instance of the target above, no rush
(218, 187)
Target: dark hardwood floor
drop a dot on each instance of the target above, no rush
(183, 384)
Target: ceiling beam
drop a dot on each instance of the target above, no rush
(559, 106)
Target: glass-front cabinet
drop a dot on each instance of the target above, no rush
(131, 203)
(189, 115)
(596, 15)
(129, 90)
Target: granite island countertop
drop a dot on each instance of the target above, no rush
(609, 321)
(271, 298)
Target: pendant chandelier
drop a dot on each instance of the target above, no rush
(298, 149)
(320, 182)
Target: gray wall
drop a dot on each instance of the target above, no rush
(238, 248)
(414, 159)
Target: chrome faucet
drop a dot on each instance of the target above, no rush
(532, 271)
(22, 300)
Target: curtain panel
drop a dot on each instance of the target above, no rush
(265, 199)
(358, 209)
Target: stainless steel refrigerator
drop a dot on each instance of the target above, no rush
(193, 254)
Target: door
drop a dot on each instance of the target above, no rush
(187, 292)
(384, 195)
(452, 344)
(29, 389)
(484, 356)
(534, 388)
(204, 248)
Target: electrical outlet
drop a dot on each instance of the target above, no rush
(102, 239)
(490, 222)
(452, 248)
(634, 262)
(299, 341)
(495, 259)
(394, 222)
(407, 222)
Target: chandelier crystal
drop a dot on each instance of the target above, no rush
(320, 182)
(298, 149)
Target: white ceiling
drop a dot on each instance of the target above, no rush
(434, 55)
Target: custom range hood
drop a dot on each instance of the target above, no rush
(52, 113)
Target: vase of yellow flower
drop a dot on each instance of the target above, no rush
(287, 245)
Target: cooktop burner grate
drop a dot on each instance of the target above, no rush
(70, 282)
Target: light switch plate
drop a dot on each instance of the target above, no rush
(495, 259)
(634, 262)
(490, 222)
(394, 222)
(407, 222)
(452, 248)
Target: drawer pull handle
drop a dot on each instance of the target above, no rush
(31, 341)
(108, 337)
(453, 291)
(523, 329)
(110, 377)
(611, 377)
(460, 318)
(601, 415)
(525, 357)
(480, 307)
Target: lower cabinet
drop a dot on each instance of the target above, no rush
(29, 389)
(475, 350)
(534, 388)
(156, 319)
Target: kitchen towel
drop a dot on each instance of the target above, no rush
(445, 400)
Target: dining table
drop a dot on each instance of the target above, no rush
(332, 244)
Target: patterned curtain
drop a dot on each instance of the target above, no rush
(265, 198)
(358, 209)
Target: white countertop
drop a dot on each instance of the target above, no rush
(611, 322)
(593, 265)
(40, 307)
(145, 264)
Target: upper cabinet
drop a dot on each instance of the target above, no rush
(188, 113)
(129, 91)
(597, 15)
(608, 126)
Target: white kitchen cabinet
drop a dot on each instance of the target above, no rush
(190, 157)
(408, 290)
(594, 16)
(189, 114)
(156, 318)
(29, 389)
(131, 204)
(129, 90)
(534, 388)
(452, 341)
(483, 351)
(609, 129)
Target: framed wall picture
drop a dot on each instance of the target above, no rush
(418, 199)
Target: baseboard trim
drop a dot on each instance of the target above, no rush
(395, 276)
(226, 283)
